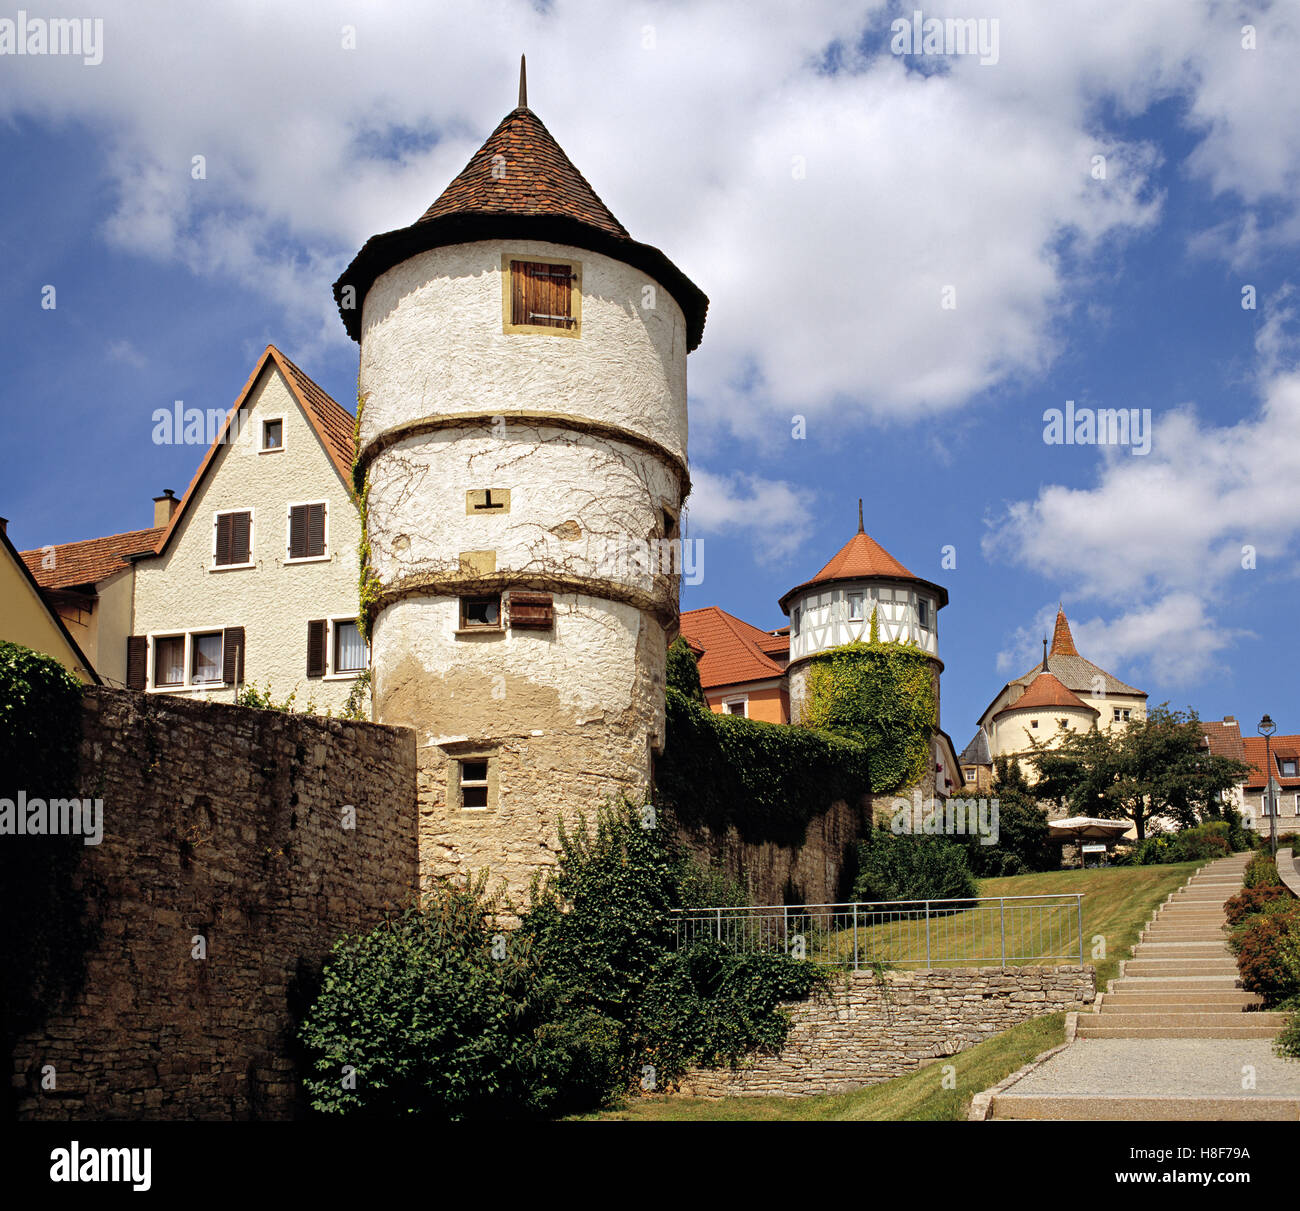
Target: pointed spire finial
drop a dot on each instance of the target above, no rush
(523, 83)
(1045, 669)
(860, 529)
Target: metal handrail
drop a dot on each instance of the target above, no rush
(958, 930)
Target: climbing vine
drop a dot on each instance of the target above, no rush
(882, 695)
(367, 581)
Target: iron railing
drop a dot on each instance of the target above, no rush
(998, 931)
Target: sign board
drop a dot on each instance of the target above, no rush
(1094, 849)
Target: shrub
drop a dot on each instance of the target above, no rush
(1200, 843)
(766, 779)
(1261, 871)
(683, 672)
(1267, 946)
(905, 866)
(1287, 1043)
(1251, 900)
(1024, 838)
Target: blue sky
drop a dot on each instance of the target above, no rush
(825, 192)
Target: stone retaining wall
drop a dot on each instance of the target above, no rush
(228, 825)
(866, 1031)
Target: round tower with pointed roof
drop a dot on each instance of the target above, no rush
(836, 607)
(522, 446)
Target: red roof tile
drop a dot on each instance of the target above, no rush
(863, 558)
(1046, 691)
(1223, 738)
(1254, 753)
(1062, 640)
(90, 561)
(732, 651)
(522, 170)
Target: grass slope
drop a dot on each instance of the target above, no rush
(1118, 902)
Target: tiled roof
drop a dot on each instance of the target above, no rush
(522, 170)
(1254, 753)
(532, 192)
(863, 558)
(90, 561)
(1223, 738)
(334, 424)
(1062, 640)
(732, 651)
(977, 751)
(1047, 691)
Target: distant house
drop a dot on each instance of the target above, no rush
(251, 577)
(28, 618)
(742, 668)
(1065, 692)
(1224, 738)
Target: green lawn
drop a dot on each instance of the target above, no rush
(1117, 903)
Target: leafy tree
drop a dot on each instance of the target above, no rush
(1024, 840)
(907, 866)
(1154, 767)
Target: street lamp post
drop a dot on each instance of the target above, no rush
(1266, 729)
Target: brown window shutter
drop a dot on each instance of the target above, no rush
(541, 294)
(137, 651)
(316, 648)
(298, 532)
(239, 532)
(224, 530)
(532, 610)
(315, 529)
(232, 655)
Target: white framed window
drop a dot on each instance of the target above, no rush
(855, 607)
(923, 612)
(232, 539)
(1288, 767)
(737, 704)
(195, 659)
(794, 621)
(272, 435)
(348, 654)
(307, 533)
(475, 788)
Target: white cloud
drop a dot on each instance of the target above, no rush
(826, 289)
(775, 517)
(1165, 537)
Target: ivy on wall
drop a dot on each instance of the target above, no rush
(881, 695)
(47, 928)
(766, 779)
(367, 581)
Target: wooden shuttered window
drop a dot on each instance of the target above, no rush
(306, 531)
(532, 610)
(316, 633)
(137, 656)
(232, 655)
(541, 295)
(233, 533)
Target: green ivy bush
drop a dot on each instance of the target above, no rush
(882, 695)
(1201, 843)
(443, 1013)
(893, 866)
(683, 672)
(48, 927)
(766, 779)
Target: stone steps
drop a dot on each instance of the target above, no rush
(1150, 1019)
(1172, 1000)
(1076, 1107)
(1163, 984)
(1179, 967)
(1098, 1028)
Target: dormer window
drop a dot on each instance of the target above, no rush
(1288, 768)
(543, 296)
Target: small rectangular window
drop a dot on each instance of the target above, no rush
(474, 784)
(169, 660)
(349, 648)
(273, 435)
(1033, 723)
(794, 621)
(736, 706)
(855, 606)
(923, 612)
(205, 659)
(1288, 769)
(480, 612)
(233, 542)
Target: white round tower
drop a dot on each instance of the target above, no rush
(523, 455)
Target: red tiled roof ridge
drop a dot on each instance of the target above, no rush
(1062, 640)
(532, 177)
(745, 662)
(1253, 747)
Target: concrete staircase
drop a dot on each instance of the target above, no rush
(1181, 982)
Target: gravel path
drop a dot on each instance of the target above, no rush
(1209, 1067)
